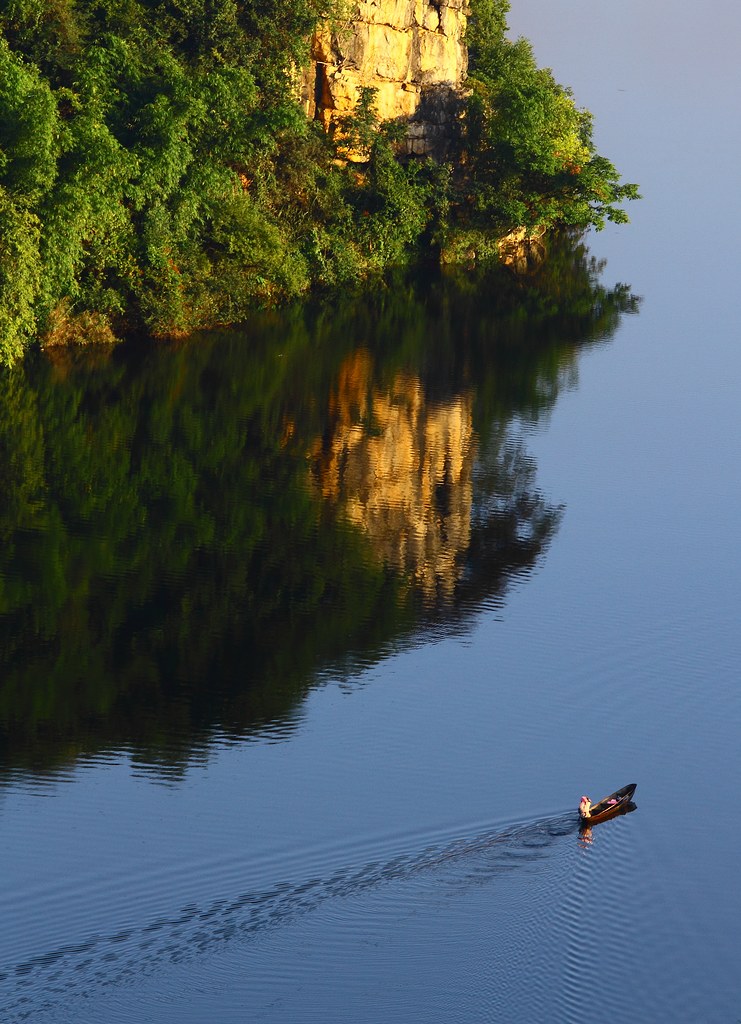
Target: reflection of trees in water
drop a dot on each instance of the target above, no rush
(165, 571)
(512, 522)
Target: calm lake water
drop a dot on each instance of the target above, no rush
(312, 635)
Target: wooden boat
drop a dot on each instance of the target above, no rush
(619, 802)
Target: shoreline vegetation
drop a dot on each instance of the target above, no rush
(158, 175)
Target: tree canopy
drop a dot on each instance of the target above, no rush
(530, 148)
(158, 175)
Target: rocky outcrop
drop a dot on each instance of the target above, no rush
(411, 52)
(523, 249)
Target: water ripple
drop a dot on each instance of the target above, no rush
(38, 982)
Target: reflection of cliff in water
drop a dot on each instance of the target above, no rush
(166, 574)
(404, 470)
(401, 469)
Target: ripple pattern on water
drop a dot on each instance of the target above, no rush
(36, 984)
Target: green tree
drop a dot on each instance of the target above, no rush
(157, 173)
(29, 134)
(531, 159)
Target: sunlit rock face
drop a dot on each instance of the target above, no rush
(523, 249)
(401, 469)
(412, 52)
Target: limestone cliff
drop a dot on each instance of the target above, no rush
(412, 52)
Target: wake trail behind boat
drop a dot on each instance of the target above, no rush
(36, 984)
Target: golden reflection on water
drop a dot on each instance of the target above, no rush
(401, 469)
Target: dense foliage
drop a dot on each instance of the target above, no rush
(531, 158)
(157, 174)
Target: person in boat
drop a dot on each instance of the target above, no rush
(585, 806)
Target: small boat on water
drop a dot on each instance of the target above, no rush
(619, 802)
